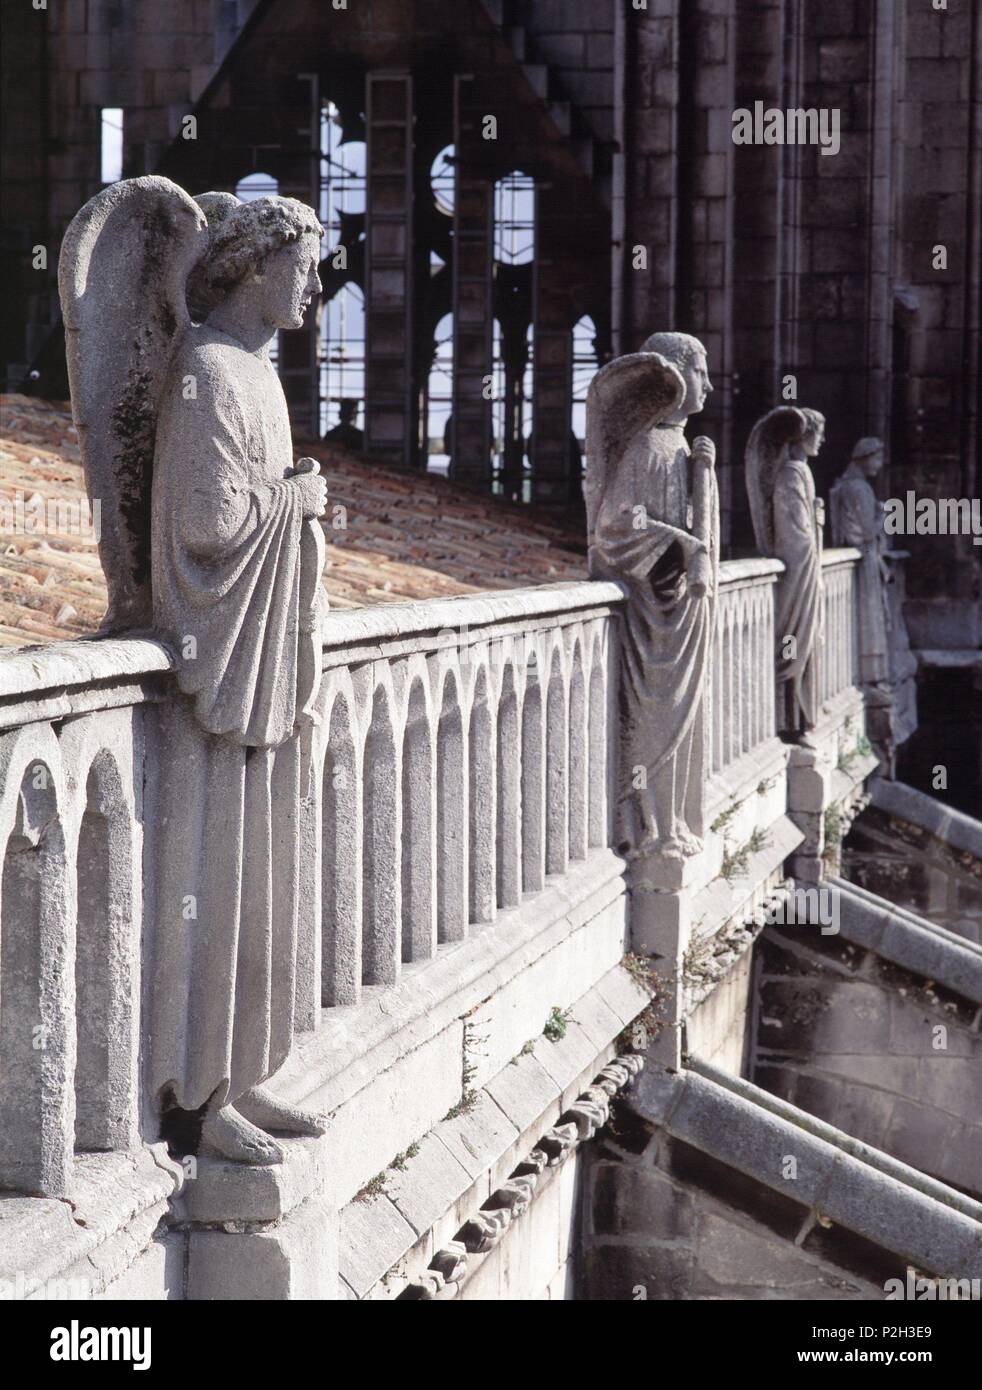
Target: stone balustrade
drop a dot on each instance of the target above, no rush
(464, 757)
(839, 661)
(742, 702)
(462, 762)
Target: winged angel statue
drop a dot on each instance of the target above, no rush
(653, 525)
(210, 536)
(788, 520)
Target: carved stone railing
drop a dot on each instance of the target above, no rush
(742, 703)
(464, 757)
(463, 762)
(71, 834)
(838, 668)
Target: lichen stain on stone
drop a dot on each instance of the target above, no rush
(134, 427)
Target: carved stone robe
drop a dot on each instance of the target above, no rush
(668, 633)
(797, 611)
(857, 520)
(232, 588)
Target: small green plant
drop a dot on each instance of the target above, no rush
(863, 746)
(641, 970)
(555, 1028)
(759, 840)
(735, 865)
(723, 818)
(833, 827)
(466, 1102)
(400, 1160)
(373, 1188)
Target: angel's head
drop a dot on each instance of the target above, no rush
(266, 251)
(868, 456)
(814, 434)
(689, 356)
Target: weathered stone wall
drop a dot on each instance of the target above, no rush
(716, 1029)
(872, 1049)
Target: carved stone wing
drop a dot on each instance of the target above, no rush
(766, 450)
(632, 393)
(122, 275)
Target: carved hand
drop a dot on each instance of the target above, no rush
(704, 450)
(313, 488)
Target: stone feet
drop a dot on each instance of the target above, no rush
(227, 1134)
(264, 1109)
(238, 1132)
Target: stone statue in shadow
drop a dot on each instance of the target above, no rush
(788, 519)
(653, 525)
(211, 540)
(887, 666)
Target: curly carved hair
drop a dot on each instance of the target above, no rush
(814, 421)
(240, 238)
(679, 348)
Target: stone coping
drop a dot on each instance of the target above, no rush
(116, 1202)
(912, 942)
(743, 571)
(745, 1131)
(840, 555)
(358, 626)
(48, 681)
(953, 828)
(876, 1158)
(60, 665)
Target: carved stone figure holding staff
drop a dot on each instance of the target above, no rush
(857, 520)
(653, 524)
(788, 521)
(210, 532)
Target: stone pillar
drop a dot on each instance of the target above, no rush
(473, 320)
(390, 407)
(552, 370)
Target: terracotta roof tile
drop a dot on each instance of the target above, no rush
(392, 535)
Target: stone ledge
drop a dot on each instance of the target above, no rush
(875, 1158)
(916, 944)
(953, 828)
(744, 1130)
(413, 1034)
(117, 1202)
(396, 621)
(468, 1156)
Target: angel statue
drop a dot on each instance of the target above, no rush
(856, 516)
(788, 521)
(653, 525)
(210, 535)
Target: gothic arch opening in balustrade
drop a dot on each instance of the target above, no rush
(341, 861)
(508, 803)
(578, 790)
(36, 1098)
(106, 987)
(451, 817)
(597, 751)
(533, 781)
(418, 862)
(481, 847)
(381, 932)
(557, 771)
